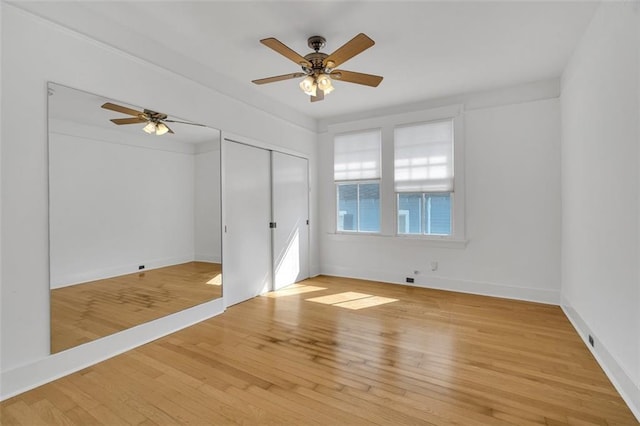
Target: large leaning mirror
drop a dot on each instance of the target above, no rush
(134, 215)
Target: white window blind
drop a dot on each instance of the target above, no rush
(424, 157)
(357, 156)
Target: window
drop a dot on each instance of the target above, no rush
(424, 184)
(394, 177)
(357, 178)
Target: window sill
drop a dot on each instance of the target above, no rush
(424, 241)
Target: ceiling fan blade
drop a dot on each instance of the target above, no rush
(356, 45)
(133, 120)
(122, 109)
(285, 51)
(279, 78)
(319, 96)
(356, 77)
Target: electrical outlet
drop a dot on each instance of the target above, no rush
(591, 342)
(140, 267)
(409, 279)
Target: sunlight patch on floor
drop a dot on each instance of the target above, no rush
(294, 289)
(366, 302)
(339, 297)
(217, 280)
(352, 300)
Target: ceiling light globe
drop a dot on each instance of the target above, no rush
(150, 127)
(308, 86)
(324, 81)
(161, 129)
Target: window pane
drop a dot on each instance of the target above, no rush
(438, 214)
(420, 213)
(347, 207)
(369, 207)
(409, 213)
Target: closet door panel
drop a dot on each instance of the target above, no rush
(290, 192)
(247, 236)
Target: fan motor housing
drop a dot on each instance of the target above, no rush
(155, 115)
(316, 59)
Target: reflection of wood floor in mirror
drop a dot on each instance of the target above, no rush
(85, 312)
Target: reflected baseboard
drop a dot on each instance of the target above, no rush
(207, 257)
(59, 281)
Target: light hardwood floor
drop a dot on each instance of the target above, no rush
(85, 312)
(338, 351)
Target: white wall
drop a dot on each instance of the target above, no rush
(35, 51)
(601, 192)
(116, 206)
(512, 207)
(208, 239)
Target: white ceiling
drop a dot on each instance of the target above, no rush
(424, 50)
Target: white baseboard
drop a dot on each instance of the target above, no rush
(52, 367)
(101, 274)
(620, 379)
(440, 283)
(207, 257)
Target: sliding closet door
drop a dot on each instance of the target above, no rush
(290, 192)
(247, 207)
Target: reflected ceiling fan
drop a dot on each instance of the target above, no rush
(319, 69)
(155, 120)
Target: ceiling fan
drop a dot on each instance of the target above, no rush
(155, 120)
(319, 69)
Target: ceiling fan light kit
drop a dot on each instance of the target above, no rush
(319, 69)
(155, 121)
(156, 128)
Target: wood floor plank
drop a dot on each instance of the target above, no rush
(50, 413)
(428, 357)
(112, 400)
(20, 413)
(80, 416)
(237, 409)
